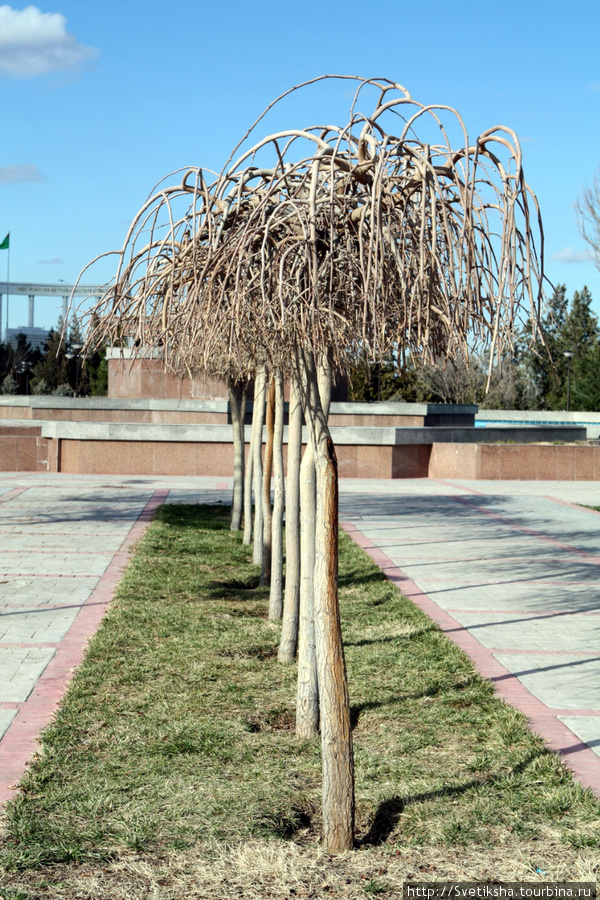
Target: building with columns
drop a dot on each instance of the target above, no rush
(20, 289)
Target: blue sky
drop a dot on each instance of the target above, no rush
(99, 101)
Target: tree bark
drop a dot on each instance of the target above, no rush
(291, 604)
(237, 408)
(334, 702)
(247, 539)
(265, 574)
(307, 698)
(259, 414)
(276, 592)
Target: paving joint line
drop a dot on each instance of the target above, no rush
(25, 645)
(18, 609)
(50, 575)
(41, 551)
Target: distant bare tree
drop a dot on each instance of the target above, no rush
(588, 215)
(509, 386)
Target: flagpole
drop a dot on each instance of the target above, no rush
(5, 245)
(7, 286)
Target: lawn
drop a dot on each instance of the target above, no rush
(172, 769)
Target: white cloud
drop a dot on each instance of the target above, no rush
(570, 255)
(24, 172)
(36, 43)
(57, 261)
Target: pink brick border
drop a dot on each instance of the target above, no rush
(531, 532)
(19, 742)
(10, 495)
(576, 754)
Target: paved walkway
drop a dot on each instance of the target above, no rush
(64, 544)
(510, 570)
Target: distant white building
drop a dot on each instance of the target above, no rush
(37, 337)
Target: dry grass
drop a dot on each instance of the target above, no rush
(272, 869)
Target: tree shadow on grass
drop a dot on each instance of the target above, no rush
(351, 579)
(235, 589)
(288, 825)
(433, 690)
(390, 639)
(388, 813)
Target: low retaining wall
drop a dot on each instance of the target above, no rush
(23, 449)
(493, 418)
(534, 462)
(216, 412)
(363, 452)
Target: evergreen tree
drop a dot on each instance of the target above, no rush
(543, 360)
(97, 368)
(16, 361)
(385, 381)
(569, 328)
(94, 375)
(54, 367)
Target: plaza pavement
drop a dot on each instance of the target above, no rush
(509, 570)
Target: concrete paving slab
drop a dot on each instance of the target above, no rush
(587, 727)
(542, 632)
(6, 717)
(560, 680)
(526, 596)
(20, 669)
(42, 626)
(54, 564)
(39, 591)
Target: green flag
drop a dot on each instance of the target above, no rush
(6, 242)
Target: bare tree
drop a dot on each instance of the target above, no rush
(588, 216)
(337, 242)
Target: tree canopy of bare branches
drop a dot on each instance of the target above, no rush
(346, 239)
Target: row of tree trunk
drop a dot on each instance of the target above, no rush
(307, 599)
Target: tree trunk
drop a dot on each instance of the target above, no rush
(276, 593)
(237, 407)
(307, 699)
(334, 703)
(291, 604)
(248, 480)
(259, 415)
(265, 574)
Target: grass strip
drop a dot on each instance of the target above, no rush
(174, 747)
